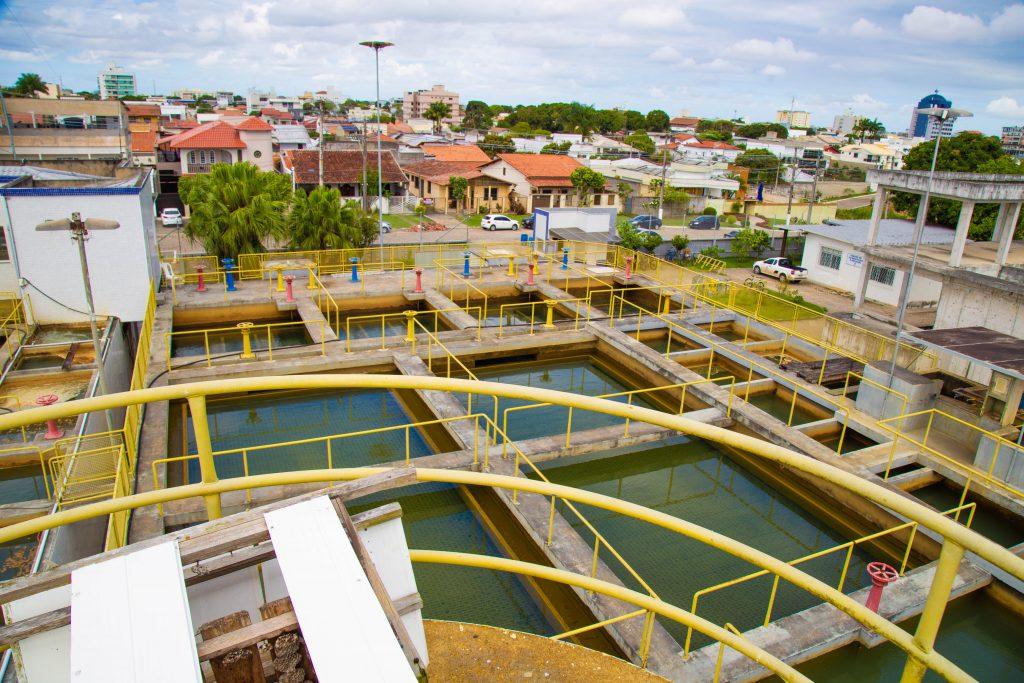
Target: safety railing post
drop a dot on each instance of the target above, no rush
(204, 448)
(934, 607)
(245, 328)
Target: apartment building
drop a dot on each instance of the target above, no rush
(791, 118)
(1013, 141)
(116, 82)
(416, 103)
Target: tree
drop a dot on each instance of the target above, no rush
(673, 195)
(371, 183)
(235, 207)
(611, 120)
(963, 153)
(629, 237)
(457, 186)
(477, 115)
(498, 144)
(436, 112)
(759, 130)
(325, 106)
(680, 243)
(763, 164)
(625, 191)
(204, 108)
(641, 141)
(635, 120)
(586, 181)
(29, 84)
(716, 129)
(320, 220)
(872, 129)
(556, 147)
(657, 120)
(651, 241)
(751, 242)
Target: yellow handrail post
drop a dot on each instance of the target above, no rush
(201, 430)
(935, 605)
(549, 322)
(645, 640)
(312, 278)
(551, 521)
(247, 353)
(512, 267)
(410, 319)
(279, 269)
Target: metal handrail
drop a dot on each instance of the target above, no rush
(246, 335)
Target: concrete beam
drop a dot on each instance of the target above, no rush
(963, 225)
(1009, 224)
(861, 292)
(877, 214)
(977, 187)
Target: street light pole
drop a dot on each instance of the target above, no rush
(377, 46)
(938, 115)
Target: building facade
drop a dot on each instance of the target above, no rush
(843, 124)
(923, 126)
(1013, 141)
(793, 118)
(115, 83)
(415, 104)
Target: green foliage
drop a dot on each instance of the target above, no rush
(609, 120)
(964, 153)
(436, 112)
(555, 147)
(635, 120)
(498, 144)
(371, 183)
(629, 237)
(759, 130)
(651, 241)
(624, 190)
(657, 120)
(680, 243)
(641, 141)
(709, 211)
(586, 181)
(762, 164)
(477, 115)
(319, 220)
(235, 207)
(751, 242)
(673, 195)
(29, 85)
(716, 129)
(204, 109)
(457, 186)
(870, 129)
(712, 252)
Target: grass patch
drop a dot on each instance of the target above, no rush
(397, 221)
(774, 305)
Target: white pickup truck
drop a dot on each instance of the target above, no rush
(781, 268)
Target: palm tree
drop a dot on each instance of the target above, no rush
(319, 220)
(235, 207)
(29, 84)
(436, 112)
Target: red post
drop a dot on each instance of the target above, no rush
(419, 281)
(202, 279)
(288, 280)
(881, 576)
(52, 431)
(629, 267)
(529, 278)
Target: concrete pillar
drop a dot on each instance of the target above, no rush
(922, 217)
(862, 284)
(1010, 223)
(904, 287)
(963, 225)
(877, 214)
(997, 231)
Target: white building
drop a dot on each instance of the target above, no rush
(115, 82)
(791, 118)
(832, 259)
(122, 262)
(844, 124)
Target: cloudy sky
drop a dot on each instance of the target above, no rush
(721, 58)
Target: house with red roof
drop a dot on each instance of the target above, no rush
(709, 150)
(430, 180)
(195, 150)
(684, 124)
(542, 181)
(343, 169)
(277, 117)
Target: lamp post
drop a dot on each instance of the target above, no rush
(79, 230)
(938, 115)
(377, 46)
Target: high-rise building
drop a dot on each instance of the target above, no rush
(924, 126)
(1013, 141)
(846, 122)
(416, 103)
(793, 118)
(115, 83)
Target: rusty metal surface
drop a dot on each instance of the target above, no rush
(978, 343)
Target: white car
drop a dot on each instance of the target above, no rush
(170, 217)
(781, 268)
(498, 222)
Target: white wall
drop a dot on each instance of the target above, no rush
(847, 278)
(122, 262)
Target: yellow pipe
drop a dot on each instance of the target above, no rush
(934, 607)
(201, 429)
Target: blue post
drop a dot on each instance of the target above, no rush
(565, 258)
(465, 265)
(229, 274)
(355, 269)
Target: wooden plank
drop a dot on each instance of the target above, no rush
(193, 537)
(344, 625)
(280, 650)
(241, 665)
(47, 621)
(250, 635)
(131, 620)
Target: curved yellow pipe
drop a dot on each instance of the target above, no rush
(815, 587)
(738, 643)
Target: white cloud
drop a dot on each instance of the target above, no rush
(652, 16)
(665, 53)
(1005, 107)
(782, 49)
(862, 28)
(934, 24)
(1009, 23)
(657, 93)
(20, 56)
(773, 70)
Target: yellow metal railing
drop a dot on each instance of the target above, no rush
(250, 336)
(971, 472)
(507, 312)
(709, 263)
(379, 320)
(42, 454)
(848, 547)
(630, 395)
(469, 289)
(793, 386)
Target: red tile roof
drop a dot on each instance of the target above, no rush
(143, 109)
(713, 144)
(183, 124)
(254, 123)
(543, 170)
(342, 166)
(684, 137)
(684, 121)
(399, 127)
(212, 135)
(230, 111)
(144, 142)
(438, 171)
(455, 152)
(275, 113)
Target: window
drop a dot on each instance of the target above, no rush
(257, 154)
(192, 157)
(830, 258)
(494, 192)
(883, 275)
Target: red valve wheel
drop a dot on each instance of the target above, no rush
(882, 574)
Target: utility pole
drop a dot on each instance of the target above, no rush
(365, 189)
(814, 192)
(377, 46)
(792, 182)
(661, 200)
(320, 147)
(7, 122)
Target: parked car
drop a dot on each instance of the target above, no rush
(385, 227)
(781, 268)
(170, 217)
(704, 223)
(645, 221)
(529, 222)
(732, 233)
(498, 222)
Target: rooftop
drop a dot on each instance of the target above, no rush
(341, 166)
(543, 169)
(212, 135)
(455, 152)
(891, 231)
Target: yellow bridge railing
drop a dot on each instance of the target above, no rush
(252, 339)
(380, 321)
